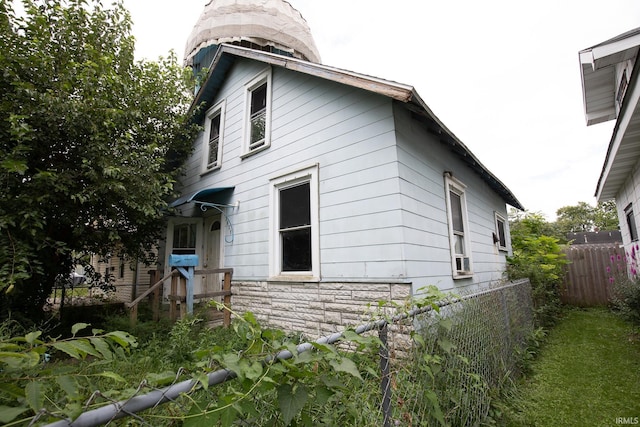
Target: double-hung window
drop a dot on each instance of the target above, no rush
(294, 227)
(631, 223)
(258, 113)
(294, 224)
(459, 239)
(212, 150)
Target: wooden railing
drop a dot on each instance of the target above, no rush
(178, 294)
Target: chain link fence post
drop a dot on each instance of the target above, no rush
(385, 380)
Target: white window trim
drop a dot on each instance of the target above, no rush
(499, 217)
(263, 77)
(307, 174)
(630, 213)
(458, 187)
(219, 108)
(169, 240)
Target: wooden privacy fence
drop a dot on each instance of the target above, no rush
(589, 272)
(178, 295)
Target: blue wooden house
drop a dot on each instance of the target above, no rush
(326, 189)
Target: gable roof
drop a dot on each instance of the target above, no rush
(597, 68)
(404, 94)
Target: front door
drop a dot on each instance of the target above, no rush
(212, 254)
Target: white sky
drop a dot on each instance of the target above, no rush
(502, 75)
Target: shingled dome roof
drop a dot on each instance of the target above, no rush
(269, 24)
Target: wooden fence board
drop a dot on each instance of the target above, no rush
(589, 269)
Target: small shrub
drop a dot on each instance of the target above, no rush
(625, 299)
(144, 331)
(527, 355)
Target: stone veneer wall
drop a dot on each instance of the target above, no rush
(315, 309)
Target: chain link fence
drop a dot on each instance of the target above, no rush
(462, 354)
(436, 365)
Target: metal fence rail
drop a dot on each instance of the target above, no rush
(474, 348)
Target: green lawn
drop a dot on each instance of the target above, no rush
(587, 373)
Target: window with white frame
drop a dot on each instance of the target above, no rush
(294, 224)
(459, 241)
(258, 113)
(184, 239)
(212, 150)
(501, 232)
(631, 223)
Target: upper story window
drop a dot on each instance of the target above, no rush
(258, 114)
(459, 239)
(622, 88)
(212, 150)
(295, 230)
(631, 223)
(501, 232)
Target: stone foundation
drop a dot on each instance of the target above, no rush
(315, 309)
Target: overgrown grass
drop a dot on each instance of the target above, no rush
(587, 373)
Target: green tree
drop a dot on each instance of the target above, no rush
(585, 217)
(576, 218)
(605, 216)
(91, 142)
(537, 255)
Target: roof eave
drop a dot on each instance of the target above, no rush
(405, 94)
(597, 76)
(459, 148)
(606, 188)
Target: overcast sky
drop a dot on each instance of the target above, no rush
(502, 75)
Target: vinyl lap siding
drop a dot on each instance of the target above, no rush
(422, 162)
(349, 134)
(381, 203)
(629, 194)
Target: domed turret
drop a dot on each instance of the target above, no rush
(271, 25)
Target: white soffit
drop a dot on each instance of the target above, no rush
(598, 74)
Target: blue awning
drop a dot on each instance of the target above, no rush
(206, 195)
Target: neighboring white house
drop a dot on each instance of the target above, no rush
(610, 91)
(326, 189)
(130, 279)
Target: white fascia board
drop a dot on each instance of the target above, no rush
(586, 57)
(599, 52)
(631, 101)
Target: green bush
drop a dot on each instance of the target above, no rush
(539, 258)
(625, 298)
(36, 377)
